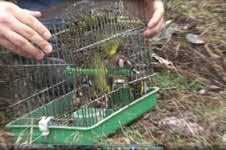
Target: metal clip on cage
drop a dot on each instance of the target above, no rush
(95, 81)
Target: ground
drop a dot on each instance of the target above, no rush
(192, 87)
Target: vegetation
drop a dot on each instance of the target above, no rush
(193, 87)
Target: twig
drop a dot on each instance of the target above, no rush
(177, 50)
(212, 55)
(208, 29)
(182, 117)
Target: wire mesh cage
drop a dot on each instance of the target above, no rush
(96, 76)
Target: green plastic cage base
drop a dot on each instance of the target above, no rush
(98, 113)
(82, 135)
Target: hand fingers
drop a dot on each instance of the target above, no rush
(10, 46)
(6, 44)
(36, 14)
(153, 31)
(157, 14)
(30, 34)
(23, 44)
(33, 22)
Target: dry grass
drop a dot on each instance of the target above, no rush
(205, 64)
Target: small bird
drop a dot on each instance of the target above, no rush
(122, 61)
(79, 93)
(102, 103)
(87, 82)
(112, 47)
(138, 89)
(77, 98)
(118, 61)
(114, 60)
(77, 102)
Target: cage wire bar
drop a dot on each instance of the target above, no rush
(100, 64)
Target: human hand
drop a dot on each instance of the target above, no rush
(22, 33)
(156, 22)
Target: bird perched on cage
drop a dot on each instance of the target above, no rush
(113, 59)
(87, 82)
(138, 89)
(112, 47)
(84, 92)
(77, 99)
(122, 61)
(118, 61)
(102, 103)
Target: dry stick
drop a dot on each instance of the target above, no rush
(212, 55)
(177, 50)
(148, 132)
(203, 57)
(208, 29)
(194, 76)
(182, 117)
(218, 51)
(211, 64)
(185, 73)
(124, 133)
(195, 135)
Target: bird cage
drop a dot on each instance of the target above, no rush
(96, 80)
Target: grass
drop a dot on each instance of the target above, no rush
(134, 136)
(167, 80)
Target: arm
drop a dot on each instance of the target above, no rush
(22, 33)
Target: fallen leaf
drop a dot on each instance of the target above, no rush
(194, 39)
(163, 61)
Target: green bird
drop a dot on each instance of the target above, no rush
(112, 47)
